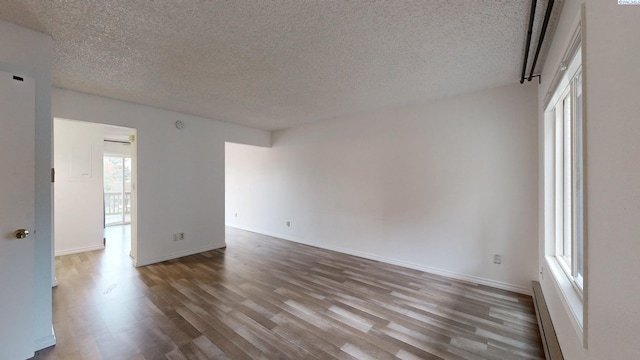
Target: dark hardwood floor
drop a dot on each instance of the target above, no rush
(265, 298)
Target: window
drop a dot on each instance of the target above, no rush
(564, 235)
(569, 220)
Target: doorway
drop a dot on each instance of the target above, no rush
(117, 191)
(94, 188)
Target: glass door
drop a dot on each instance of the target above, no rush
(117, 190)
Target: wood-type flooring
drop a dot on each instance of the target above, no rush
(266, 298)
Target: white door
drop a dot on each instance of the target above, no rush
(17, 188)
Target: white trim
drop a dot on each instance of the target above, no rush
(571, 45)
(565, 78)
(145, 262)
(571, 299)
(550, 270)
(409, 265)
(46, 341)
(79, 250)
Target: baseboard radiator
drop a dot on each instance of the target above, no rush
(547, 333)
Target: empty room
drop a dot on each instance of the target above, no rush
(320, 179)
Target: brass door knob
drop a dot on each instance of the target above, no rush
(22, 233)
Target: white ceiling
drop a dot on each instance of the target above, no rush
(277, 64)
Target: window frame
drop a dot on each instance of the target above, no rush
(573, 290)
(568, 138)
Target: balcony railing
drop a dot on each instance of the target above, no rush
(115, 204)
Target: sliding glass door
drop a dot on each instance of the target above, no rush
(117, 190)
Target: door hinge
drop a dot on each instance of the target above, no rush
(53, 175)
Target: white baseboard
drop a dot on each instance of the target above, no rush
(79, 250)
(145, 262)
(450, 274)
(46, 341)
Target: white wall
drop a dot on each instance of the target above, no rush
(28, 52)
(180, 173)
(611, 85)
(78, 200)
(440, 186)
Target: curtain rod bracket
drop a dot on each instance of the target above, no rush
(539, 76)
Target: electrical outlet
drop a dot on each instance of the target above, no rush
(288, 223)
(236, 214)
(497, 259)
(178, 236)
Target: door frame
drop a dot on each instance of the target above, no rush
(132, 136)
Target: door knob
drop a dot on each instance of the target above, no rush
(22, 233)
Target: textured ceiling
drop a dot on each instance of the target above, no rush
(276, 64)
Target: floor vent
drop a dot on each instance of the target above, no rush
(547, 333)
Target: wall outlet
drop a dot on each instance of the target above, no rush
(178, 236)
(236, 215)
(288, 223)
(497, 259)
